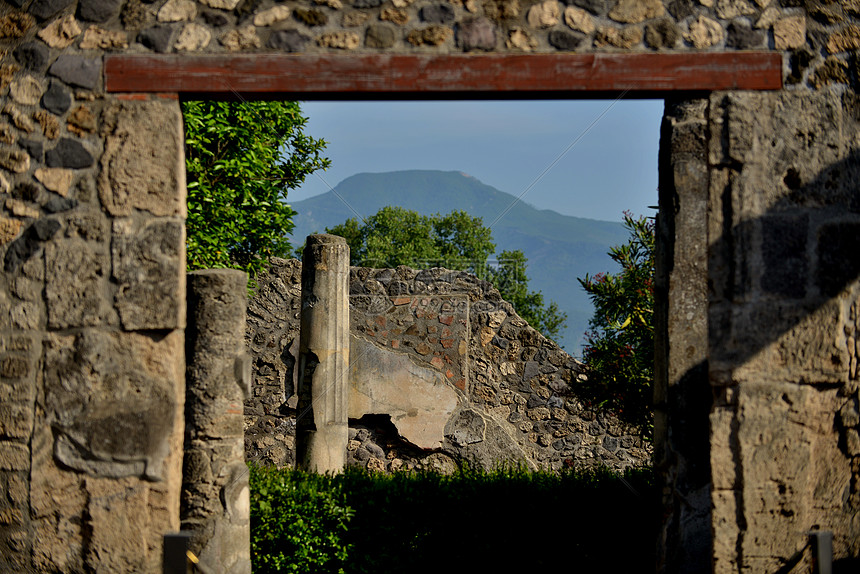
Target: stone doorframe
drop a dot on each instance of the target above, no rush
(683, 396)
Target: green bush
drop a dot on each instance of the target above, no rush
(298, 522)
(502, 521)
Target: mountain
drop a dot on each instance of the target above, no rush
(559, 247)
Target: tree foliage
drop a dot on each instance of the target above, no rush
(619, 348)
(241, 159)
(397, 236)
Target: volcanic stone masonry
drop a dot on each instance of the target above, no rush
(441, 371)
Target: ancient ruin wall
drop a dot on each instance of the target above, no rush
(91, 298)
(442, 371)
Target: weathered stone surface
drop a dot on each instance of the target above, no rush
(113, 401)
(324, 355)
(845, 40)
(596, 7)
(288, 40)
(14, 456)
(340, 40)
(4, 184)
(136, 15)
(565, 41)
(98, 10)
(77, 70)
(578, 19)
(241, 39)
(368, 3)
(60, 33)
(69, 153)
(398, 16)
(35, 148)
(354, 19)
(704, 33)
(14, 160)
(158, 38)
(15, 24)
(9, 229)
(44, 9)
(312, 17)
(522, 40)
(96, 38)
(57, 179)
(544, 15)
(731, 9)
(177, 11)
(625, 38)
(33, 56)
(437, 14)
(662, 34)
(76, 294)
(418, 399)
(380, 36)
(635, 11)
(221, 4)
(741, 36)
(21, 120)
(272, 16)
(790, 33)
(193, 37)
(430, 36)
(142, 160)
(476, 34)
(20, 209)
(49, 124)
(148, 268)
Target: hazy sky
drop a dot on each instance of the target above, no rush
(590, 158)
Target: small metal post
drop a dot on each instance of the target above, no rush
(822, 551)
(175, 555)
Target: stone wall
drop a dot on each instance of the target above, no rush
(92, 293)
(442, 371)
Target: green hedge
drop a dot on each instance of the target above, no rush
(503, 521)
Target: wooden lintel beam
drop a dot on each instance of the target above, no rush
(444, 75)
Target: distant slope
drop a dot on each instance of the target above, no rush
(559, 248)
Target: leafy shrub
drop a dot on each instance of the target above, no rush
(502, 521)
(298, 522)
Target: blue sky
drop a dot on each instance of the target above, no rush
(589, 159)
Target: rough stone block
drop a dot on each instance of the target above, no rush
(113, 400)
(16, 420)
(142, 166)
(78, 280)
(149, 268)
(14, 456)
(78, 70)
(69, 153)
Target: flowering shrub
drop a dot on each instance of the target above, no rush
(619, 349)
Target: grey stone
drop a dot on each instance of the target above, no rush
(466, 427)
(158, 38)
(437, 13)
(44, 9)
(366, 3)
(288, 40)
(59, 204)
(98, 10)
(563, 40)
(33, 56)
(29, 243)
(784, 253)
(57, 99)
(215, 19)
(69, 153)
(78, 70)
(147, 267)
(35, 148)
(476, 34)
(838, 257)
(741, 36)
(380, 36)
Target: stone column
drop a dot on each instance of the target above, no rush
(215, 498)
(321, 425)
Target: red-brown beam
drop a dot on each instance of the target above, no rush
(444, 76)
